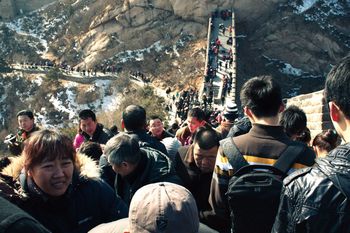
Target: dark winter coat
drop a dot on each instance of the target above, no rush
(88, 201)
(165, 134)
(153, 167)
(101, 135)
(147, 140)
(317, 199)
(15, 220)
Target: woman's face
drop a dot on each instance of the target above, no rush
(53, 177)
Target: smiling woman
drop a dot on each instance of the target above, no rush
(49, 162)
(60, 188)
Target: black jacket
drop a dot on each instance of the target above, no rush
(147, 140)
(165, 134)
(101, 135)
(15, 220)
(153, 167)
(317, 199)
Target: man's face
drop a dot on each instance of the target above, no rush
(156, 127)
(88, 126)
(123, 169)
(53, 177)
(194, 124)
(25, 123)
(205, 159)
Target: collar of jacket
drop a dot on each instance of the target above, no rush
(268, 131)
(189, 160)
(95, 136)
(337, 161)
(20, 132)
(336, 166)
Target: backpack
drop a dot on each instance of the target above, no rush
(253, 192)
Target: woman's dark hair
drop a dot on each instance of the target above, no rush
(327, 140)
(304, 136)
(47, 145)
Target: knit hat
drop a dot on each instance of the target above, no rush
(230, 111)
(163, 207)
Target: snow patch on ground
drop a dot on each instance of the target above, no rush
(138, 54)
(290, 70)
(307, 4)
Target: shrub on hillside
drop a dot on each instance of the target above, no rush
(89, 96)
(54, 74)
(4, 67)
(144, 97)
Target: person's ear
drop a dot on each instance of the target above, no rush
(281, 108)
(247, 112)
(122, 123)
(29, 173)
(334, 111)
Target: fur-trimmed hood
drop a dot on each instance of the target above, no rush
(85, 166)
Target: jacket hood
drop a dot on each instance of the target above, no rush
(85, 166)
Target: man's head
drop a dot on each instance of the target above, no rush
(87, 121)
(195, 119)
(293, 119)
(261, 96)
(163, 207)
(337, 96)
(230, 112)
(123, 153)
(205, 148)
(156, 126)
(134, 118)
(25, 120)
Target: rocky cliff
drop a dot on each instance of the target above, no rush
(296, 41)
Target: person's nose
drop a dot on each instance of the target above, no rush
(58, 171)
(205, 161)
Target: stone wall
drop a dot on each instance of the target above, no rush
(31, 5)
(10, 8)
(316, 111)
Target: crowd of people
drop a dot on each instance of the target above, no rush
(145, 178)
(105, 69)
(220, 60)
